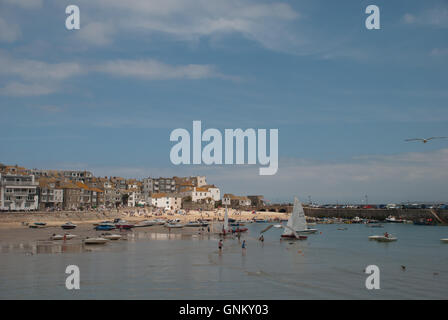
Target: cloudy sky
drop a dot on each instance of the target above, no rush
(106, 97)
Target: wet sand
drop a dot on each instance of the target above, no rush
(14, 227)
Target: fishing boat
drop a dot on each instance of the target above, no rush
(444, 240)
(296, 221)
(40, 223)
(110, 236)
(95, 241)
(392, 219)
(68, 226)
(69, 236)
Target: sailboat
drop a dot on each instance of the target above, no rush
(297, 223)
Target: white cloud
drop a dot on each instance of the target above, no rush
(154, 70)
(95, 33)
(9, 32)
(38, 70)
(26, 4)
(265, 23)
(22, 89)
(437, 52)
(437, 17)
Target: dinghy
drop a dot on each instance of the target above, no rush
(296, 222)
(174, 225)
(68, 226)
(57, 237)
(390, 238)
(95, 241)
(111, 236)
(70, 236)
(145, 223)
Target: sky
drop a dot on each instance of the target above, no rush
(106, 97)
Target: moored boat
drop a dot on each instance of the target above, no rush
(124, 225)
(386, 239)
(145, 223)
(95, 241)
(109, 236)
(174, 225)
(57, 237)
(392, 219)
(444, 240)
(194, 224)
(105, 227)
(68, 226)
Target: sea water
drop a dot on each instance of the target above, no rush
(329, 265)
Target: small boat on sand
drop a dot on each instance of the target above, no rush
(444, 240)
(95, 241)
(194, 224)
(57, 237)
(124, 225)
(174, 225)
(68, 226)
(110, 236)
(145, 223)
(67, 236)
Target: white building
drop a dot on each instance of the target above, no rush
(18, 192)
(166, 201)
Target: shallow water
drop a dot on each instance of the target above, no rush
(329, 265)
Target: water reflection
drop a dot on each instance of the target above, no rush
(42, 247)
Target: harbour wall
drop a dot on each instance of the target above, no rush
(377, 214)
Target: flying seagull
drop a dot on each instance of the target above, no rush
(425, 140)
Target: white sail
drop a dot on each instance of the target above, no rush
(226, 221)
(297, 220)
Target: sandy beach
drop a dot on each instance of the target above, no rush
(14, 227)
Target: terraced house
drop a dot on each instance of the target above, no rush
(18, 192)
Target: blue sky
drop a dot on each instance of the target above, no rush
(106, 97)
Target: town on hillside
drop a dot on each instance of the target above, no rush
(23, 189)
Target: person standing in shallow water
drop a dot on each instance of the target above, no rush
(243, 247)
(220, 246)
